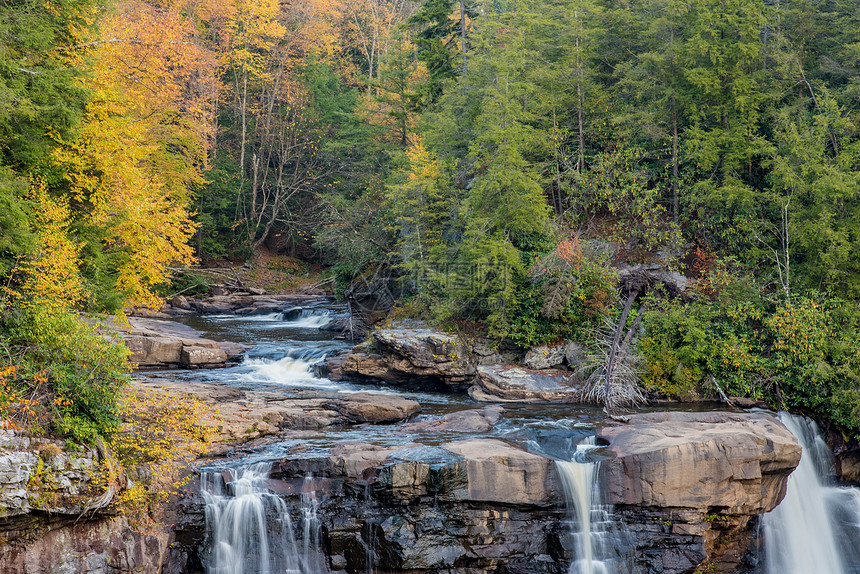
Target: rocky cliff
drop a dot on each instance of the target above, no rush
(686, 489)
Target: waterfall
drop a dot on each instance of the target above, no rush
(816, 526)
(249, 529)
(599, 543)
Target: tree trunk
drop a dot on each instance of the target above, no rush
(676, 202)
(613, 351)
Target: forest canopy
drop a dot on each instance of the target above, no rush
(503, 162)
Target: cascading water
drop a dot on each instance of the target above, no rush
(598, 540)
(816, 527)
(249, 529)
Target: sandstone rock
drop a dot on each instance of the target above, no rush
(353, 459)
(508, 383)
(472, 420)
(499, 472)
(156, 343)
(38, 474)
(544, 357)
(246, 415)
(194, 356)
(86, 545)
(213, 308)
(162, 350)
(373, 408)
(332, 367)
(736, 463)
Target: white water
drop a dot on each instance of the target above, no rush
(815, 528)
(249, 528)
(598, 543)
(310, 319)
(307, 319)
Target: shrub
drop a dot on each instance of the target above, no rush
(801, 355)
(79, 371)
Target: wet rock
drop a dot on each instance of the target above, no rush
(509, 383)
(544, 356)
(737, 463)
(484, 505)
(472, 420)
(332, 367)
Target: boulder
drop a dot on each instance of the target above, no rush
(574, 355)
(196, 355)
(180, 302)
(544, 356)
(509, 383)
(373, 408)
(414, 355)
(471, 420)
(734, 463)
(162, 350)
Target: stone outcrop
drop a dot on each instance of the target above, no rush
(470, 420)
(735, 463)
(245, 415)
(478, 505)
(101, 546)
(156, 343)
(39, 475)
(56, 513)
(509, 383)
(689, 485)
(416, 355)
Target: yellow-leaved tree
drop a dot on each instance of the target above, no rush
(140, 153)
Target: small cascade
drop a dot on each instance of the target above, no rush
(306, 318)
(296, 369)
(249, 529)
(598, 541)
(816, 526)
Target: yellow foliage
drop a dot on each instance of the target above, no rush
(51, 276)
(143, 143)
(162, 432)
(422, 165)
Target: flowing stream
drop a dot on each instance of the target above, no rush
(816, 528)
(598, 539)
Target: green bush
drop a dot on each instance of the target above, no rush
(85, 370)
(802, 355)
